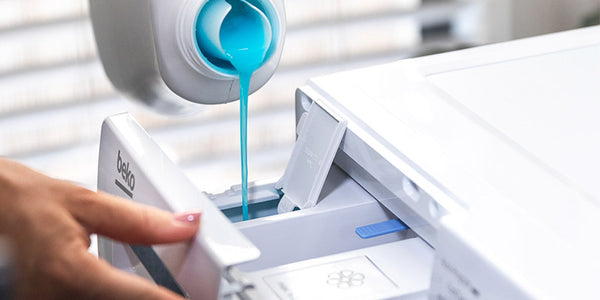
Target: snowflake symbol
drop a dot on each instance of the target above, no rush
(345, 279)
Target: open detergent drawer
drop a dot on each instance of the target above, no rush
(304, 254)
(315, 253)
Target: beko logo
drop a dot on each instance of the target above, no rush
(126, 174)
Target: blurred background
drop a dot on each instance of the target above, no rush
(54, 93)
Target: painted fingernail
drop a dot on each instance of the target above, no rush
(188, 218)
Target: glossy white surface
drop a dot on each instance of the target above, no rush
(547, 104)
(504, 138)
(160, 183)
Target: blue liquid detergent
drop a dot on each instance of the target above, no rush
(244, 40)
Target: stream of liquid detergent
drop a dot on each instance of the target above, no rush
(243, 38)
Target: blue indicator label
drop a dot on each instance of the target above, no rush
(377, 229)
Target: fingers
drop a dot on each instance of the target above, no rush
(131, 222)
(106, 282)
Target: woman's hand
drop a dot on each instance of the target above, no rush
(49, 222)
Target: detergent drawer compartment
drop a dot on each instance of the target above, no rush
(326, 229)
(317, 253)
(396, 270)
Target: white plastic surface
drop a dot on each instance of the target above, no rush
(389, 271)
(504, 138)
(319, 137)
(159, 182)
(546, 104)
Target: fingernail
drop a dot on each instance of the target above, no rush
(188, 218)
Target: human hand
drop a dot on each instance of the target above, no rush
(49, 222)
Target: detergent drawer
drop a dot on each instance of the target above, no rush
(302, 243)
(328, 228)
(316, 252)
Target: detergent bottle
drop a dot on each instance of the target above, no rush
(168, 54)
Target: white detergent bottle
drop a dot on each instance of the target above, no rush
(167, 53)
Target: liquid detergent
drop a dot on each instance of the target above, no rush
(245, 36)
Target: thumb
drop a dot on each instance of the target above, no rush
(132, 222)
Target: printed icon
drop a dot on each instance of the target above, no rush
(346, 279)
